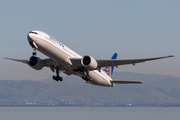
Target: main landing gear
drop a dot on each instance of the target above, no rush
(86, 76)
(57, 77)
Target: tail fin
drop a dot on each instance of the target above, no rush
(109, 70)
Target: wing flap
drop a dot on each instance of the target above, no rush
(126, 82)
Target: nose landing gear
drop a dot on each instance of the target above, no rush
(57, 77)
(34, 53)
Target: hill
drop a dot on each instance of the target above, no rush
(156, 90)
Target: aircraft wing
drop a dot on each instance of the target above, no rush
(18, 60)
(126, 82)
(101, 63)
(116, 63)
(112, 62)
(47, 62)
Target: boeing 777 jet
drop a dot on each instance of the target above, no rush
(63, 59)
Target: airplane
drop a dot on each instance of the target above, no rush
(63, 59)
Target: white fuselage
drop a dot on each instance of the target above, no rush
(62, 56)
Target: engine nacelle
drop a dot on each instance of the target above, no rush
(35, 62)
(89, 62)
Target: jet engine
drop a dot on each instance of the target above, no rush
(89, 63)
(35, 63)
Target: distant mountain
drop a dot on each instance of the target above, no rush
(156, 90)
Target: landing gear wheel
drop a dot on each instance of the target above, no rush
(60, 78)
(57, 78)
(54, 78)
(34, 53)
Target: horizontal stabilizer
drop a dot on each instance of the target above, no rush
(126, 82)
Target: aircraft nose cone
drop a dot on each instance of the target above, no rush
(29, 38)
(30, 35)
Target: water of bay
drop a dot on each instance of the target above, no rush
(88, 113)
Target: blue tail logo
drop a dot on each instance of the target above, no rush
(109, 70)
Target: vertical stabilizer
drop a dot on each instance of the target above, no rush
(109, 70)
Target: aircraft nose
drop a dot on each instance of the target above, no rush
(30, 35)
(29, 38)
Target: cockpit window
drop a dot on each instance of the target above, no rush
(33, 32)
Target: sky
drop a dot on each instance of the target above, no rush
(99, 28)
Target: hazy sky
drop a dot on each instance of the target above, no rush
(132, 28)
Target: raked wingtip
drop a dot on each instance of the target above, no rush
(171, 56)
